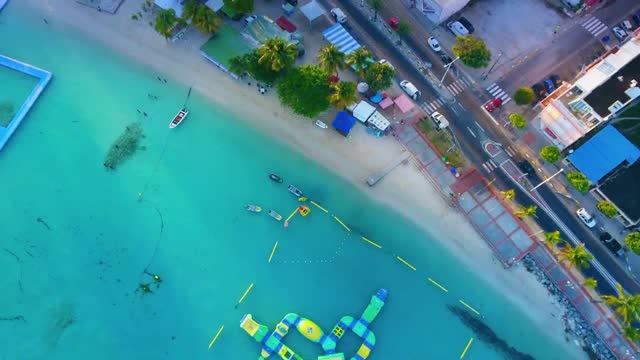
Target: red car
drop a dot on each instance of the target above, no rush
(493, 104)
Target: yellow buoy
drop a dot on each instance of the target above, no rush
(304, 210)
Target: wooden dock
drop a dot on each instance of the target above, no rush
(377, 176)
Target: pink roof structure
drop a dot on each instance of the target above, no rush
(403, 103)
(386, 103)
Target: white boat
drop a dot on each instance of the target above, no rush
(253, 208)
(294, 190)
(275, 215)
(321, 125)
(3, 3)
(177, 120)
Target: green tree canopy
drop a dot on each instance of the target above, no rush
(607, 209)
(251, 64)
(579, 181)
(472, 51)
(166, 20)
(526, 211)
(509, 194)
(632, 240)
(378, 76)
(305, 89)
(518, 120)
(552, 238)
(576, 256)
(206, 20)
(331, 58)
(376, 5)
(240, 6)
(403, 28)
(359, 59)
(550, 154)
(627, 306)
(631, 333)
(277, 54)
(524, 96)
(189, 9)
(590, 283)
(344, 93)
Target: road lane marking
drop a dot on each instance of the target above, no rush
(471, 131)
(478, 125)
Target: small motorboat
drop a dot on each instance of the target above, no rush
(294, 190)
(253, 208)
(177, 120)
(275, 178)
(321, 125)
(275, 215)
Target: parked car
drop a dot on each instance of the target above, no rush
(339, 15)
(434, 44)
(466, 24)
(440, 121)
(636, 18)
(619, 33)
(626, 25)
(457, 28)
(493, 104)
(586, 218)
(539, 90)
(249, 19)
(394, 22)
(611, 244)
(548, 86)
(410, 89)
(556, 80)
(385, 62)
(526, 167)
(446, 59)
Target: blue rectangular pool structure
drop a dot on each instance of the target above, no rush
(43, 79)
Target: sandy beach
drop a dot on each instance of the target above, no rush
(405, 190)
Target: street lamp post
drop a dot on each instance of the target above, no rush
(484, 76)
(547, 180)
(448, 66)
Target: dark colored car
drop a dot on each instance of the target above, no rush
(611, 243)
(539, 90)
(526, 167)
(466, 24)
(445, 58)
(292, 2)
(636, 18)
(556, 80)
(548, 86)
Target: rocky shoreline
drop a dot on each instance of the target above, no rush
(577, 329)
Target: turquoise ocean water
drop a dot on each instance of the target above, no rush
(75, 239)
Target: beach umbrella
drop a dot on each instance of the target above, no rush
(363, 87)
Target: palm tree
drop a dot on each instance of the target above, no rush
(189, 9)
(277, 53)
(509, 194)
(526, 211)
(359, 59)
(576, 256)
(627, 306)
(166, 20)
(590, 283)
(552, 238)
(631, 333)
(376, 5)
(343, 95)
(206, 20)
(331, 58)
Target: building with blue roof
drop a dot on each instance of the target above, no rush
(343, 123)
(603, 153)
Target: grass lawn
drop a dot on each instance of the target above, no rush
(630, 128)
(442, 141)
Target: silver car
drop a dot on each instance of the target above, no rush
(586, 218)
(434, 44)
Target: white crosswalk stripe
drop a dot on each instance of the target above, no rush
(594, 26)
(457, 86)
(433, 105)
(510, 151)
(497, 92)
(489, 166)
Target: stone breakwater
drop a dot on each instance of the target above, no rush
(576, 326)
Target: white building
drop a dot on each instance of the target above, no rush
(440, 10)
(600, 91)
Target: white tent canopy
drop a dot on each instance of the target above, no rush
(379, 121)
(312, 10)
(363, 111)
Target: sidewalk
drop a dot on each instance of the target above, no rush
(509, 237)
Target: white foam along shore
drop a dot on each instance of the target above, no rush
(405, 190)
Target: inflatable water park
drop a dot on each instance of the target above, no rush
(273, 345)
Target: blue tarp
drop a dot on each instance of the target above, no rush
(338, 36)
(343, 123)
(603, 153)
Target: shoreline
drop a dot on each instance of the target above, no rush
(405, 190)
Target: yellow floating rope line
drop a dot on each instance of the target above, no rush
(273, 251)
(216, 337)
(406, 263)
(318, 206)
(438, 285)
(466, 348)
(341, 223)
(245, 294)
(470, 308)
(292, 214)
(371, 242)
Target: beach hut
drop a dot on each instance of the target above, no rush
(379, 121)
(343, 123)
(312, 11)
(337, 35)
(363, 111)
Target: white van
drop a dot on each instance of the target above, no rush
(339, 15)
(410, 89)
(440, 121)
(457, 28)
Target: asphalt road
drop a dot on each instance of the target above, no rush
(467, 113)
